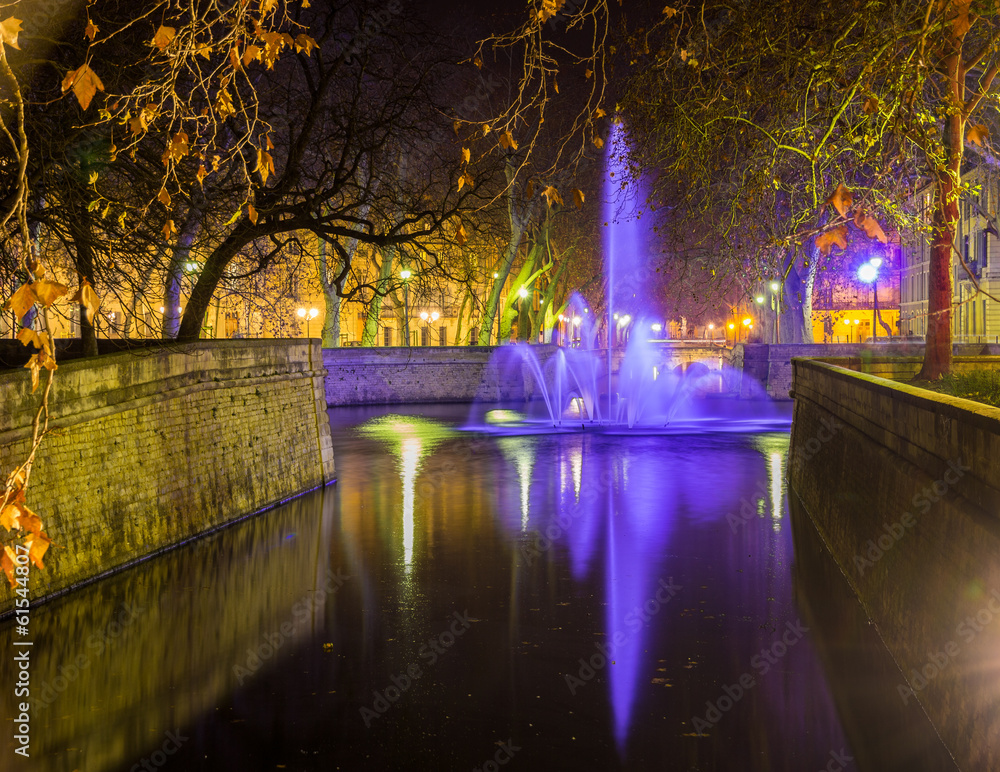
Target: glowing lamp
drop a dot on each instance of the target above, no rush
(405, 274)
(868, 273)
(523, 292)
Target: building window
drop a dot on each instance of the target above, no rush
(443, 336)
(474, 336)
(387, 336)
(425, 336)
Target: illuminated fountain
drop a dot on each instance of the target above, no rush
(577, 387)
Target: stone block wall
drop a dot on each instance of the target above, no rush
(394, 375)
(146, 450)
(903, 486)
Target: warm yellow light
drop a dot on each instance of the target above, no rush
(732, 326)
(302, 313)
(434, 316)
(405, 274)
(746, 321)
(711, 326)
(857, 321)
(423, 315)
(523, 292)
(313, 313)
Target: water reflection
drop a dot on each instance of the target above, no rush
(556, 547)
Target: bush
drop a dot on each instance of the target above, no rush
(978, 385)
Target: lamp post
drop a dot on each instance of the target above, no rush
(868, 273)
(405, 275)
(776, 290)
(309, 315)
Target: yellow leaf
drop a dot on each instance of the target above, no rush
(485, 127)
(460, 237)
(35, 365)
(48, 292)
(305, 43)
(92, 179)
(552, 196)
(21, 301)
(91, 30)
(266, 6)
(831, 238)
(164, 197)
(598, 143)
(555, 85)
(252, 53)
(588, 73)
(9, 515)
(9, 30)
(841, 200)
(86, 297)
(164, 37)
(169, 229)
(177, 149)
(976, 134)
(456, 125)
(578, 198)
(138, 124)
(465, 179)
(507, 141)
(669, 12)
(252, 213)
(7, 563)
(204, 50)
(599, 113)
(478, 62)
(202, 173)
(39, 543)
(265, 164)
(870, 106)
(29, 337)
(224, 104)
(466, 155)
(85, 84)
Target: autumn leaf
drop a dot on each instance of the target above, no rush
(486, 128)
(669, 12)
(588, 73)
(465, 179)
(169, 229)
(91, 30)
(976, 134)
(466, 155)
(831, 238)
(39, 340)
(456, 125)
(549, 9)
(552, 195)
(252, 214)
(48, 292)
(28, 520)
(9, 30)
(507, 141)
(35, 365)
(38, 544)
(841, 200)
(164, 197)
(460, 237)
(164, 37)
(21, 301)
(265, 164)
(961, 23)
(177, 149)
(555, 85)
(9, 515)
(599, 113)
(85, 84)
(870, 226)
(253, 53)
(224, 104)
(476, 60)
(86, 297)
(598, 143)
(266, 6)
(578, 198)
(201, 174)
(305, 43)
(870, 106)
(203, 50)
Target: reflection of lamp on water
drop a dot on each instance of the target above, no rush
(309, 315)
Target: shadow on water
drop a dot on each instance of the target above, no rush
(456, 600)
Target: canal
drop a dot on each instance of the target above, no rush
(462, 601)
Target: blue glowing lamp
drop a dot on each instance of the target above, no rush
(868, 273)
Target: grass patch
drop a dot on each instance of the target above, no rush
(979, 386)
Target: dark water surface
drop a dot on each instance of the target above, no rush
(457, 601)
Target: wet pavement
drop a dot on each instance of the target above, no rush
(461, 601)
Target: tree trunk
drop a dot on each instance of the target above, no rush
(370, 335)
(80, 232)
(937, 350)
(180, 254)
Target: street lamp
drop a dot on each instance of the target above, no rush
(405, 275)
(868, 273)
(309, 315)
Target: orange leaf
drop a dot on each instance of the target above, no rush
(873, 230)
(841, 200)
(552, 195)
(831, 238)
(39, 340)
(578, 198)
(252, 214)
(265, 164)
(976, 134)
(91, 30)
(48, 292)
(29, 521)
(253, 53)
(169, 229)
(85, 84)
(507, 141)
(9, 515)
(39, 544)
(177, 149)
(9, 29)
(305, 43)
(86, 297)
(870, 106)
(164, 37)
(598, 143)
(164, 197)
(466, 155)
(202, 173)
(21, 301)
(35, 365)
(460, 236)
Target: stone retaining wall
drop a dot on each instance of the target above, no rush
(903, 486)
(149, 449)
